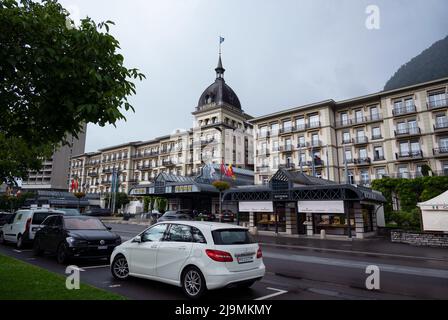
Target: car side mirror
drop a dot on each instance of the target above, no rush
(109, 228)
(137, 239)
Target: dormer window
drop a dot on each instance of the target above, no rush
(208, 99)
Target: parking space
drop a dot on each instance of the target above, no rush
(97, 273)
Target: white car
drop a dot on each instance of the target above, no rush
(23, 225)
(196, 256)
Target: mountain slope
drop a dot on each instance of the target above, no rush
(431, 64)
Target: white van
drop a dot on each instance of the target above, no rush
(22, 226)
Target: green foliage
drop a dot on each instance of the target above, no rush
(121, 199)
(54, 79)
(80, 195)
(10, 202)
(221, 185)
(431, 64)
(146, 201)
(409, 192)
(162, 204)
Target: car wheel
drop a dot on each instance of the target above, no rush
(61, 255)
(120, 268)
(37, 251)
(193, 283)
(19, 243)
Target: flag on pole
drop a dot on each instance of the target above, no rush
(221, 40)
(230, 172)
(224, 169)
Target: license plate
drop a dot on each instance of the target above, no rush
(242, 260)
(102, 247)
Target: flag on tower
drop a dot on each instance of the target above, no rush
(221, 40)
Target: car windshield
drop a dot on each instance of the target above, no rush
(39, 217)
(70, 212)
(84, 224)
(232, 236)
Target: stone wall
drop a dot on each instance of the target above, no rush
(425, 239)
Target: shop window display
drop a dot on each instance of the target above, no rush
(333, 224)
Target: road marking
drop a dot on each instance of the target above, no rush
(18, 251)
(424, 272)
(352, 252)
(115, 286)
(77, 268)
(96, 267)
(279, 292)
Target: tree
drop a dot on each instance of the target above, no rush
(54, 79)
(162, 204)
(221, 186)
(79, 195)
(146, 201)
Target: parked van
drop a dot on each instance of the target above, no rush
(22, 226)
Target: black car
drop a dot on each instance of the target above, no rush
(207, 216)
(4, 218)
(174, 215)
(75, 237)
(98, 212)
(227, 216)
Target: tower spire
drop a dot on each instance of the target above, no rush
(219, 69)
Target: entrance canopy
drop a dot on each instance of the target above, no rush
(295, 186)
(174, 186)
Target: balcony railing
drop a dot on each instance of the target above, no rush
(377, 137)
(409, 155)
(440, 151)
(263, 153)
(263, 169)
(287, 148)
(168, 163)
(313, 125)
(145, 167)
(286, 130)
(301, 145)
(93, 174)
(379, 158)
(404, 110)
(317, 163)
(439, 126)
(107, 171)
(361, 140)
(287, 166)
(359, 120)
(315, 143)
(407, 132)
(437, 104)
(363, 161)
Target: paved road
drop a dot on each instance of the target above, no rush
(291, 274)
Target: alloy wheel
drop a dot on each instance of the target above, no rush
(19, 242)
(62, 255)
(120, 268)
(192, 282)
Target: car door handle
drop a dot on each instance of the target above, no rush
(182, 248)
(154, 246)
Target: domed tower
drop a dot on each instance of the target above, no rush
(220, 118)
(219, 93)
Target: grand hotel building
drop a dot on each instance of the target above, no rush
(390, 133)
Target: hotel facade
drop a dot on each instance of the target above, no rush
(391, 133)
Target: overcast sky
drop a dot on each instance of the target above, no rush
(278, 53)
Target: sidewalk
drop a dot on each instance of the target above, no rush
(373, 246)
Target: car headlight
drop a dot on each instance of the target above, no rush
(76, 242)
